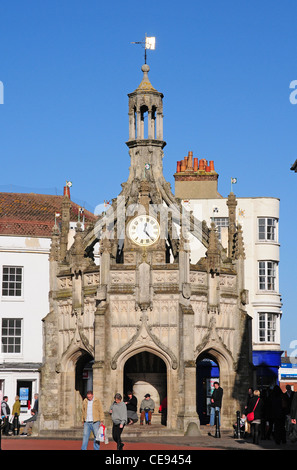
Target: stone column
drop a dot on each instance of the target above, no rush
(159, 126)
(191, 419)
(132, 125)
(138, 124)
(188, 417)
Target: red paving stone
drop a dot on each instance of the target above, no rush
(25, 443)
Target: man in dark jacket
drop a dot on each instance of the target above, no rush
(216, 403)
(5, 412)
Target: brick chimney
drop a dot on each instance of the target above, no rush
(196, 179)
(66, 191)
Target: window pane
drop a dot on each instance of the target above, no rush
(267, 327)
(12, 279)
(267, 229)
(11, 335)
(267, 275)
(221, 222)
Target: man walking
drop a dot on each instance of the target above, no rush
(92, 417)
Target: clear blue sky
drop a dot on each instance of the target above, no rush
(224, 67)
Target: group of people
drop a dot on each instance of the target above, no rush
(274, 414)
(11, 420)
(122, 413)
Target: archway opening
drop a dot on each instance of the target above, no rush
(147, 373)
(84, 374)
(207, 372)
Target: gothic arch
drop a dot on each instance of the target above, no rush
(75, 350)
(149, 372)
(227, 375)
(126, 355)
(70, 377)
(220, 355)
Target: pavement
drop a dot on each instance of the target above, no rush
(185, 445)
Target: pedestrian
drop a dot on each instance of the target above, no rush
(288, 397)
(119, 418)
(216, 403)
(256, 404)
(131, 404)
(16, 411)
(278, 415)
(29, 423)
(250, 395)
(268, 418)
(293, 410)
(92, 417)
(5, 413)
(36, 402)
(163, 411)
(147, 407)
(293, 414)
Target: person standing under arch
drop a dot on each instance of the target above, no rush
(216, 403)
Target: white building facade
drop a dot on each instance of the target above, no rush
(26, 223)
(259, 218)
(23, 304)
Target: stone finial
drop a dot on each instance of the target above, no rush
(213, 253)
(231, 203)
(238, 251)
(55, 244)
(66, 207)
(145, 83)
(144, 194)
(105, 244)
(78, 246)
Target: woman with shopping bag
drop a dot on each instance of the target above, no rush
(254, 415)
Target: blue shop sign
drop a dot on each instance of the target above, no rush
(267, 358)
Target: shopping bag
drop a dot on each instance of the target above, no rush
(101, 433)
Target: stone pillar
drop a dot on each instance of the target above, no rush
(188, 416)
(138, 125)
(48, 416)
(66, 206)
(231, 203)
(159, 126)
(132, 125)
(190, 420)
(149, 125)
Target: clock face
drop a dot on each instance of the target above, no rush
(144, 230)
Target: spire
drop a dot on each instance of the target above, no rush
(213, 253)
(145, 83)
(231, 203)
(238, 247)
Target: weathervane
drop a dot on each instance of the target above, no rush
(147, 43)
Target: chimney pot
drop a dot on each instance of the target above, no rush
(67, 191)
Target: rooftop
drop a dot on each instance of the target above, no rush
(33, 215)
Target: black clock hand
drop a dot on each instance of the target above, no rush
(148, 235)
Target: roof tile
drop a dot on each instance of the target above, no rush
(31, 214)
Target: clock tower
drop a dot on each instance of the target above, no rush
(145, 317)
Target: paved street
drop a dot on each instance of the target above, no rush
(157, 443)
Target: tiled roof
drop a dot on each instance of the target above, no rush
(33, 214)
